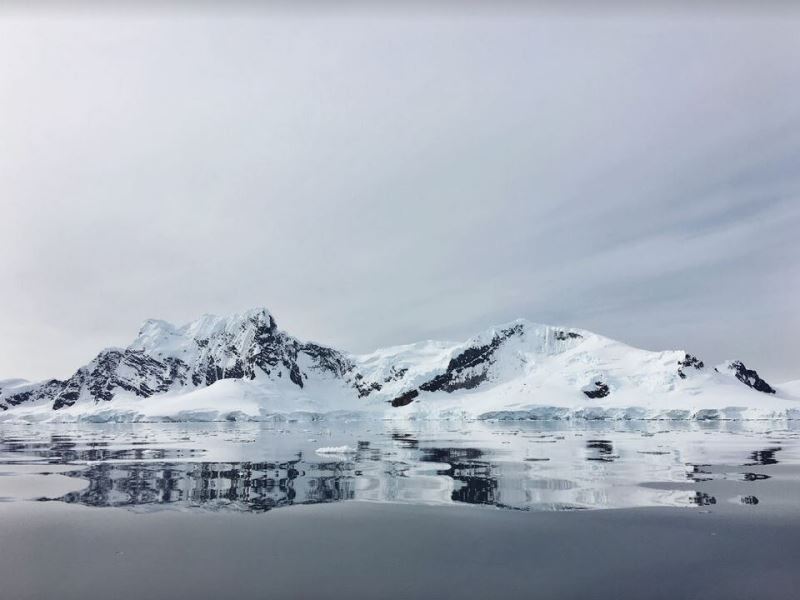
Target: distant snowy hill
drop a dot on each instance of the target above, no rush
(790, 388)
(244, 367)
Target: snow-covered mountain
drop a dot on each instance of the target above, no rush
(244, 367)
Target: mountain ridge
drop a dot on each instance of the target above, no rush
(528, 365)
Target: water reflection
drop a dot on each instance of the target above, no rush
(240, 486)
(601, 450)
(255, 468)
(763, 457)
(474, 479)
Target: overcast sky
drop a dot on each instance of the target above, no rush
(376, 179)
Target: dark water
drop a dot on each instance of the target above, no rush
(383, 510)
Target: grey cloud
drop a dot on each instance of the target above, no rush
(380, 179)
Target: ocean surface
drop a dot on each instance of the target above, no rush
(382, 509)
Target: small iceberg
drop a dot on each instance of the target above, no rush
(336, 450)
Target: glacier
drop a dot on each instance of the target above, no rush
(243, 367)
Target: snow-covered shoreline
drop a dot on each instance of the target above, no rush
(221, 405)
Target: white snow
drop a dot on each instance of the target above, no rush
(790, 388)
(539, 372)
(9, 384)
(336, 450)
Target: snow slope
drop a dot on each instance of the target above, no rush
(790, 388)
(243, 367)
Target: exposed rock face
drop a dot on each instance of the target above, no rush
(396, 374)
(129, 370)
(750, 377)
(598, 389)
(567, 335)
(164, 358)
(365, 388)
(470, 368)
(688, 362)
(36, 392)
(466, 370)
(520, 358)
(405, 399)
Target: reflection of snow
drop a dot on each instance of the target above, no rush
(529, 466)
(336, 450)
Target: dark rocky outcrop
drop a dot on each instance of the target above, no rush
(405, 399)
(689, 361)
(598, 389)
(750, 377)
(395, 374)
(141, 373)
(327, 359)
(470, 368)
(249, 346)
(567, 335)
(34, 392)
(363, 387)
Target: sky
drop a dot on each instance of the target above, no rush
(376, 177)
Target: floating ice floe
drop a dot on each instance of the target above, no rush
(336, 450)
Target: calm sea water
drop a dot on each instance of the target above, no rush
(524, 466)
(352, 510)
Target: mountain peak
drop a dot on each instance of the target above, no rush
(519, 368)
(159, 334)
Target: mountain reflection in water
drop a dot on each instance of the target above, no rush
(524, 466)
(247, 486)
